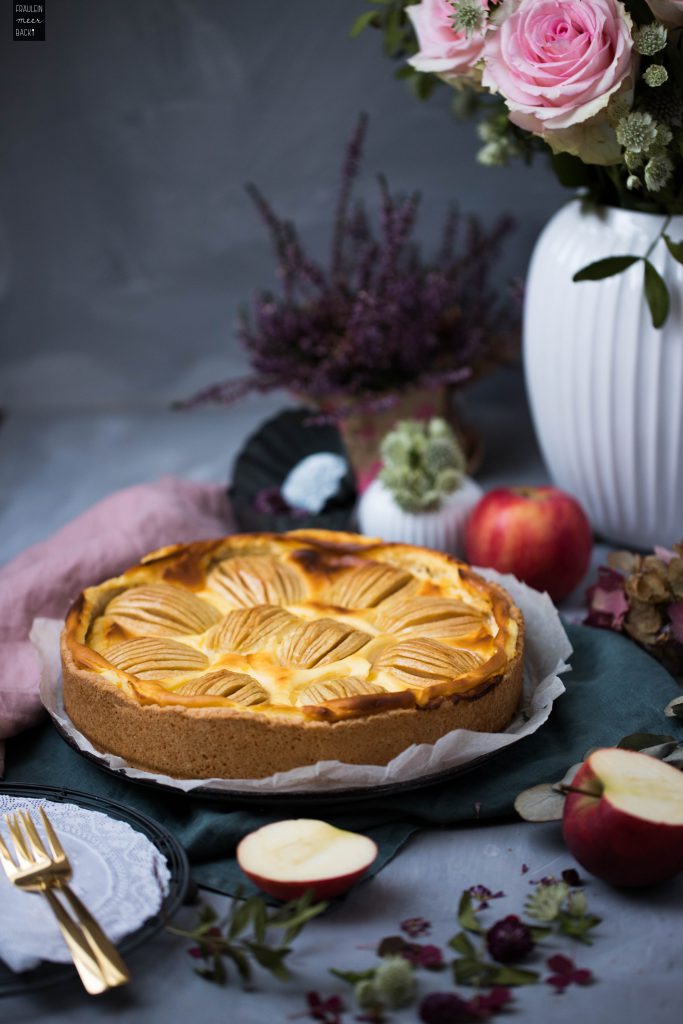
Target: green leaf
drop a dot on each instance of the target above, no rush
(423, 84)
(675, 248)
(362, 22)
(578, 927)
(511, 976)
(240, 960)
(260, 920)
(657, 295)
(570, 171)
(537, 933)
(241, 916)
(469, 972)
(607, 267)
(353, 977)
(270, 959)
(461, 944)
(466, 916)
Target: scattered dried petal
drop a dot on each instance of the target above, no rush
(415, 927)
(607, 601)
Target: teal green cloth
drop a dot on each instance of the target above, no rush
(614, 689)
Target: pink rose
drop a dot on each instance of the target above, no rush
(557, 62)
(444, 51)
(668, 11)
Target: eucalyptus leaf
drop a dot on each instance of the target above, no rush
(540, 803)
(656, 293)
(674, 708)
(607, 267)
(642, 740)
(661, 751)
(545, 802)
(675, 248)
(675, 759)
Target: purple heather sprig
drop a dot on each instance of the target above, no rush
(380, 318)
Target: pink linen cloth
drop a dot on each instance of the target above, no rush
(46, 578)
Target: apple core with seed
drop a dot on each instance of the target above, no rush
(286, 858)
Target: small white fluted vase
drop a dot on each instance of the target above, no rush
(442, 530)
(606, 387)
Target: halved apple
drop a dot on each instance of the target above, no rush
(286, 858)
(623, 817)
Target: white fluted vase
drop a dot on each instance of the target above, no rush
(442, 530)
(605, 386)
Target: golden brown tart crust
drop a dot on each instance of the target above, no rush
(258, 653)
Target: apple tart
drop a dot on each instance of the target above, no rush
(258, 653)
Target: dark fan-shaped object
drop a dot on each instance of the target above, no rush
(262, 467)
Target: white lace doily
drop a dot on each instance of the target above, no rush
(118, 873)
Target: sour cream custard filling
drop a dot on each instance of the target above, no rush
(257, 653)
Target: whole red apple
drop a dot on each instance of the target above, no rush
(623, 818)
(286, 858)
(540, 534)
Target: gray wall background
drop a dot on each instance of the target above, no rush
(127, 243)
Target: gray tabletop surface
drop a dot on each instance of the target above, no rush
(52, 466)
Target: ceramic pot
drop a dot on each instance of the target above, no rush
(443, 529)
(606, 387)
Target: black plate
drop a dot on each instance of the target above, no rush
(46, 974)
(278, 445)
(335, 796)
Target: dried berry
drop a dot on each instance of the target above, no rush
(509, 940)
(444, 1008)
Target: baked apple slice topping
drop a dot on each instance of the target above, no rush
(335, 689)
(161, 610)
(248, 580)
(150, 658)
(249, 629)
(430, 616)
(367, 585)
(320, 642)
(424, 661)
(241, 688)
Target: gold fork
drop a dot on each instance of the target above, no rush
(96, 958)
